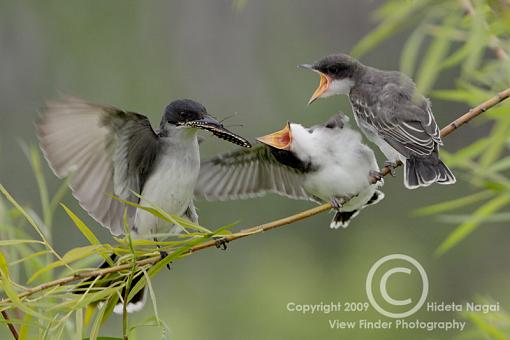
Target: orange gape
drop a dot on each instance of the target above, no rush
(279, 139)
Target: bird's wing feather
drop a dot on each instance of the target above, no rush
(404, 120)
(106, 151)
(249, 173)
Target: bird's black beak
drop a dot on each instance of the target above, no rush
(307, 66)
(213, 125)
(324, 82)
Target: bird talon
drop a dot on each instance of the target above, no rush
(221, 243)
(377, 175)
(391, 166)
(336, 203)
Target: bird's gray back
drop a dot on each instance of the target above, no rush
(388, 108)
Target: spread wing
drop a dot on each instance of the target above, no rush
(105, 150)
(403, 119)
(249, 173)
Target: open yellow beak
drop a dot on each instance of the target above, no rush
(279, 139)
(323, 86)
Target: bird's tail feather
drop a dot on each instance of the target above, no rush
(343, 218)
(422, 172)
(134, 305)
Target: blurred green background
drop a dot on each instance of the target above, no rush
(240, 58)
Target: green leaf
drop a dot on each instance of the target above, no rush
(47, 329)
(25, 327)
(151, 294)
(6, 285)
(152, 321)
(98, 321)
(82, 227)
(461, 218)
(438, 49)
(469, 152)
(79, 323)
(71, 256)
(457, 95)
(409, 54)
(35, 161)
(4, 243)
(89, 235)
(453, 204)
(478, 39)
(29, 219)
(503, 164)
(477, 94)
(394, 21)
(91, 297)
(463, 52)
(61, 191)
(486, 327)
(30, 257)
(160, 213)
(470, 225)
(153, 270)
(498, 138)
(4, 269)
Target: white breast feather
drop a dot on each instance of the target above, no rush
(170, 186)
(343, 163)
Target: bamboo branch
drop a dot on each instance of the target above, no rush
(10, 325)
(447, 130)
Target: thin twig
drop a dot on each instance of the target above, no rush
(260, 228)
(13, 330)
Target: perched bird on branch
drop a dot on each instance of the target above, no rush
(391, 113)
(326, 162)
(111, 152)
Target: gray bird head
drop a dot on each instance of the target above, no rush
(189, 114)
(181, 111)
(337, 75)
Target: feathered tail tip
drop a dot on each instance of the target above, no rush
(136, 304)
(342, 219)
(422, 172)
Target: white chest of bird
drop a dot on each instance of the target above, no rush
(170, 186)
(342, 163)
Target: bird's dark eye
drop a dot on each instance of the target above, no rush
(310, 130)
(334, 69)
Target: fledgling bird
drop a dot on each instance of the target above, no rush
(391, 113)
(326, 162)
(109, 151)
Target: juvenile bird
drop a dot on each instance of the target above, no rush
(112, 152)
(326, 162)
(391, 113)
